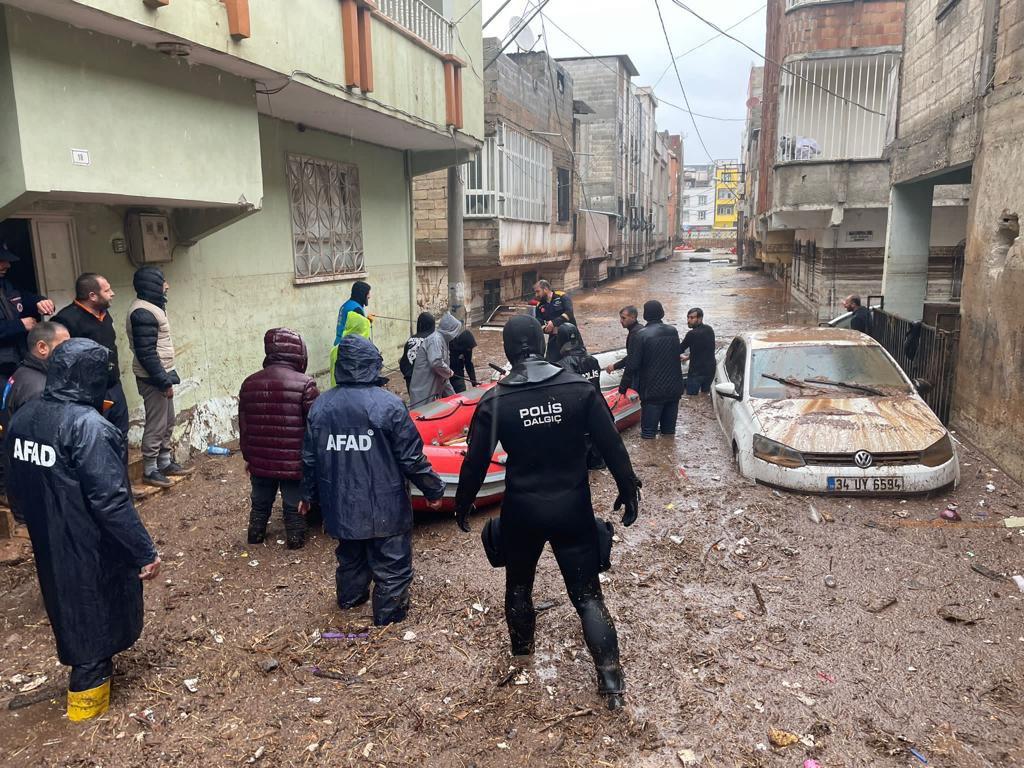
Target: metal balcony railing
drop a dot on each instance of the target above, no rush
(422, 20)
(791, 4)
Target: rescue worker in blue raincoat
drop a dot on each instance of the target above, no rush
(360, 449)
(69, 480)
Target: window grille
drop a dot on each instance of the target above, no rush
(702, 215)
(564, 195)
(702, 200)
(820, 119)
(327, 228)
(511, 178)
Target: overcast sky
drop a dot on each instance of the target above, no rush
(715, 76)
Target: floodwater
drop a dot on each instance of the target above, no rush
(728, 629)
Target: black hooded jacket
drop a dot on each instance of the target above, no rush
(574, 356)
(538, 405)
(653, 366)
(69, 481)
(425, 326)
(28, 383)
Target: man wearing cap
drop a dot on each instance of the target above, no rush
(19, 313)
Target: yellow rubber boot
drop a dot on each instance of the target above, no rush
(85, 705)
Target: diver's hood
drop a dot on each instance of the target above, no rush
(522, 337)
(532, 370)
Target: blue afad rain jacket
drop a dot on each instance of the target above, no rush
(69, 480)
(360, 448)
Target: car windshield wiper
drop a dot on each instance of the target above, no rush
(847, 385)
(786, 380)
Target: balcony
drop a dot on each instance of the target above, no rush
(833, 109)
(421, 20)
(792, 5)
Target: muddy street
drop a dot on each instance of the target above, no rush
(731, 639)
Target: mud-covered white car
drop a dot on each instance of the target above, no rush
(827, 410)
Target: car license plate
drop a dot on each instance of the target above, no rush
(865, 484)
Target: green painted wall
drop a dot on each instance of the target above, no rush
(234, 285)
(289, 36)
(469, 44)
(154, 126)
(12, 174)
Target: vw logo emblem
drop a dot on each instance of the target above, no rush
(863, 459)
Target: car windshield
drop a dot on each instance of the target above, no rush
(833, 370)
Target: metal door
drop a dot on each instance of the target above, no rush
(55, 246)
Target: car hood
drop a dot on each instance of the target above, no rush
(844, 425)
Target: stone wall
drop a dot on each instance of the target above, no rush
(989, 396)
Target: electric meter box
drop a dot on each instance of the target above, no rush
(149, 238)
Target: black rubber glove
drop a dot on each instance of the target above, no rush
(632, 505)
(462, 517)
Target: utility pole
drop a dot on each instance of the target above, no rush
(456, 253)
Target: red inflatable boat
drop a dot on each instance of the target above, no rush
(444, 426)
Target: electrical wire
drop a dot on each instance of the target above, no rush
(514, 34)
(782, 67)
(600, 60)
(675, 65)
(709, 40)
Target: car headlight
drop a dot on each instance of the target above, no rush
(776, 453)
(938, 453)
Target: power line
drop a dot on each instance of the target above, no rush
(679, 77)
(600, 60)
(782, 67)
(709, 40)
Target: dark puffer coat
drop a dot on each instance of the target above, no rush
(272, 408)
(653, 364)
(360, 449)
(69, 480)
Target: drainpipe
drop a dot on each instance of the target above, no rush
(456, 250)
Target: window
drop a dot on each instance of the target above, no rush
(702, 200)
(511, 178)
(727, 177)
(726, 210)
(564, 195)
(686, 199)
(836, 108)
(702, 215)
(561, 82)
(726, 194)
(945, 6)
(327, 227)
(736, 363)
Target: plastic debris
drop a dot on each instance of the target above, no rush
(344, 635)
(217, 450)
(675, 539)
(1019, 581)
(31, 686)
(191, 684)
(782, 739)
(950, 514)
(813, 514)
(521, 679)
(1014, 522)
(830, 581)
(257, 755)
(990, 487)
(811, 763)
(478, 607)
(687, 756)
(825, 677)
(409, 636)
(253, 563)
(918, 755)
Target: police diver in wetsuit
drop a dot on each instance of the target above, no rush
(549, 502)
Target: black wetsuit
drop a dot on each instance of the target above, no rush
(547, 495)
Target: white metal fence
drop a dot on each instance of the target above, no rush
(835, 108)
(422, 20)
(511, 178)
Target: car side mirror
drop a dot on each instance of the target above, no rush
(728, 390)
(923, 386)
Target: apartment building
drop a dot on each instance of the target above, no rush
(520, 203)
(264, 176)
(828, 110)
(728, 180)
(697, 210)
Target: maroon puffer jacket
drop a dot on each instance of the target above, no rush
(272, 408)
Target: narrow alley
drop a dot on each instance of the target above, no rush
(728, 628)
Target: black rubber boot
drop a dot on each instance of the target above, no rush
(257, 536)
(521, 619)
(612, 685)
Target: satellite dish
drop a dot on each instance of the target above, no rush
(753, 102)
(525, 40)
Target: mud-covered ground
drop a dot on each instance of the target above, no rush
(863, 672)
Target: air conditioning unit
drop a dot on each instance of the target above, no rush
(149, 237)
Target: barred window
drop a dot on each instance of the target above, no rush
(327, 226)
(511, 178)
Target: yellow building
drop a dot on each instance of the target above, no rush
(727, 192)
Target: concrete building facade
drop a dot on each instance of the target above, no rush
(263, 176)
(697, 209)
(675, 187)
(961, 121)
(520, 202)
(828, 113)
